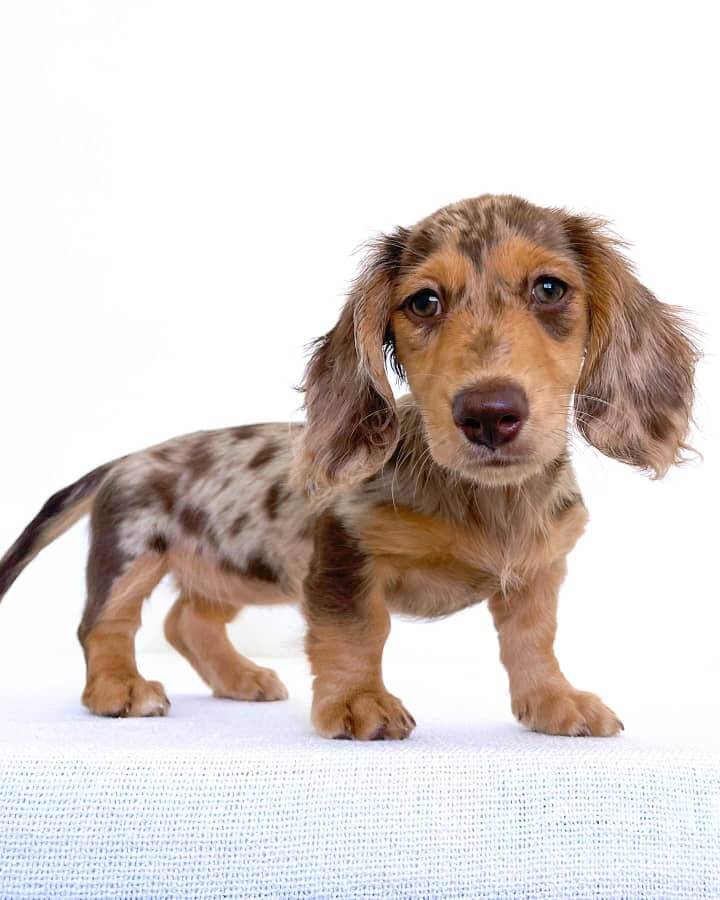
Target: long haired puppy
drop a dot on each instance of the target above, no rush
(508, 321)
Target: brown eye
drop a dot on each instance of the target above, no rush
(548, 290)
(424, 304)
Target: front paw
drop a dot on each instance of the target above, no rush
(364, 715)
(563, 710)
(126, 695)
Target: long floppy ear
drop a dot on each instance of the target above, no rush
(634, 398)
(352, 425)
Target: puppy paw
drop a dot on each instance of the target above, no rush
(125, 695)
(364, 715)
(251, 684)
(565, 711)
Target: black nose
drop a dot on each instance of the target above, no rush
(491, 414)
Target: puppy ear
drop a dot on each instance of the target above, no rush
(634, 397)
(352, 425)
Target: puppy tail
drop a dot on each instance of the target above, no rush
(61, 511)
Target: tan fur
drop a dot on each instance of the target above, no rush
(201, 577)
(197, 629)
(61, 524)
(114, 687)
(349, 696)
(405, 541)
(542, 698)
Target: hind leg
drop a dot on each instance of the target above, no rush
(197, 629)
(114, 686)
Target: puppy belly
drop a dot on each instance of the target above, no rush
(216, 581)
(427, 594)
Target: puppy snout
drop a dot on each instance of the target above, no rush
(491, 414)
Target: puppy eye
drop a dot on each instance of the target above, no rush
(548, 290)
(424, 304)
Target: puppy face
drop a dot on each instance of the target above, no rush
(491, 338)
(503, 317)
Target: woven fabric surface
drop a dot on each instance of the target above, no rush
(242, 800)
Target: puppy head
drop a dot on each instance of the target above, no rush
(502, 316)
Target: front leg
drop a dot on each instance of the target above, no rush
(542, 698)
(348, 624)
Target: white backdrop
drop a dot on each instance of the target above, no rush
(181, 189)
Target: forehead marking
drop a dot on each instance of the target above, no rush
(448, 268)
(511, 261)
(477, 224)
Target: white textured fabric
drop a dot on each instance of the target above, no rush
(241, 800)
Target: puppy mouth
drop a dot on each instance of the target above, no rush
(510, 467)
(505, 464)
(482, 456)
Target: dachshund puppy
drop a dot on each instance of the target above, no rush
(506, 320)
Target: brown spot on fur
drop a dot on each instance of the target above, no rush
(162, 454)
(106, 560)
(243, 432)
(263, 455)
(220, 580)
(163, 485)
(227, 565)
(193, 520)
(419, 245)
(475, 236)
(274, 498)
(239, 523)
(158, 543)
(536, 223)
(337, 581)
(200, 458)
(256, 567)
